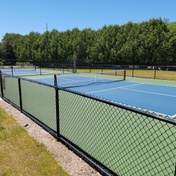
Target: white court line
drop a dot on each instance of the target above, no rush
(147, 92)
(104, 90)
(126, 88)
(154, 84)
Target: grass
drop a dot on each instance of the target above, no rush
(21, 154)
(166, 75)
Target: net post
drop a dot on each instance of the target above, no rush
(55, 80)
(57, 107)
(1, 82)
(154, 73)
(12, 69)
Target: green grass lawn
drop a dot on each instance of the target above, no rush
(167, 75)
(20, 154)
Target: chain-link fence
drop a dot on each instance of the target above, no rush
(10, 89)
(141, 71)
(39, 101)
(35, 99)
(115, 139)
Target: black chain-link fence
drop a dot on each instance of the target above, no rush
(115, 139)
(141, 71)
(39, 101)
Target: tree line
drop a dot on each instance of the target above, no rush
(150, 42)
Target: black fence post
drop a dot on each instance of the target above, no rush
(154, 73)
(57, 107)
(133, 71)
(20, 94)
(1, 82)
(90, 68)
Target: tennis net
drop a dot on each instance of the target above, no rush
(17, 70)
(85, 79)
(24, 71)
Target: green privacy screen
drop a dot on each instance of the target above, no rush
(126, 142)
(39, 101)
(11, 89)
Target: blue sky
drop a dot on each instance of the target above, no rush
(25, 16)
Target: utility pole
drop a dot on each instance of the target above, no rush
(46, 27)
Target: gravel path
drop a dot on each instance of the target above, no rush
(69, 161)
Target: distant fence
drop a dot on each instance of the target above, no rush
(142, 71)
(167, 72)
(113, 138)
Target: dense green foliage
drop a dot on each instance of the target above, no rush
(150, 42)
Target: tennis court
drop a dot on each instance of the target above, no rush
(26, 70)
(157, 98)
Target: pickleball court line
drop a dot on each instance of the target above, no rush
(114, 88)
(148, 92)
(140, 91)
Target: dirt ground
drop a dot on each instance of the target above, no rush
(69, 161)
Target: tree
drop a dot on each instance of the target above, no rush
(149, 42)
(9, 54)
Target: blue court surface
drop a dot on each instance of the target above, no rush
(156, 98)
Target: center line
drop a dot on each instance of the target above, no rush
(103, 90)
